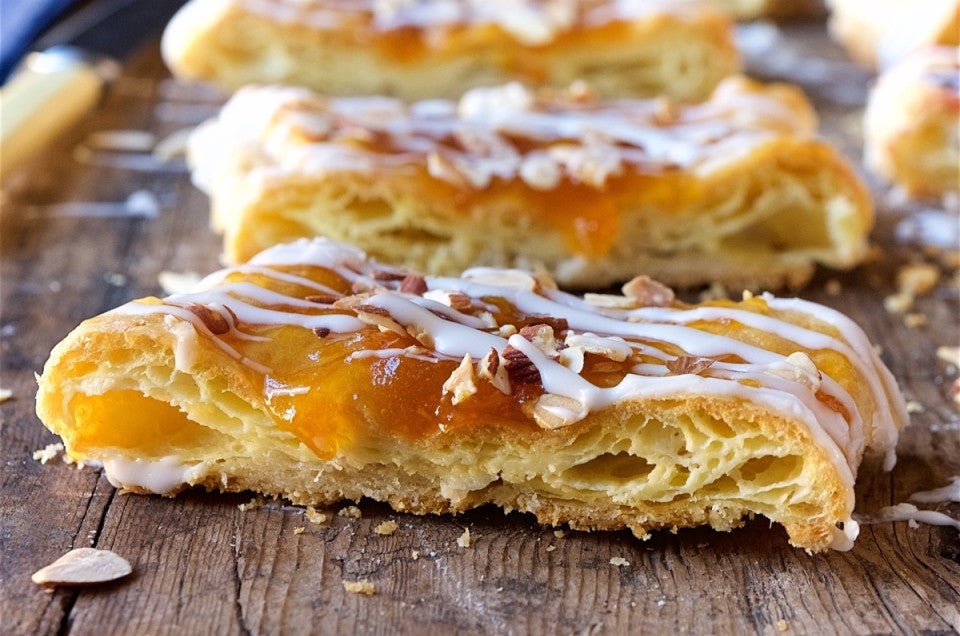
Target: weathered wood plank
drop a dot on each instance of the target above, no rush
(204, 566)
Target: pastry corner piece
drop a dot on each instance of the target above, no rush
(737, 189)
(912, 123)
(417, 49)
(316, 374)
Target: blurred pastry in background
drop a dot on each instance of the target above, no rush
(776, 9)
(912, 123)
(736, 190)
(417, 49)
(881, 32)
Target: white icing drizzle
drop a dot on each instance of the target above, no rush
(950, 492)
(269, 131)
(908, 512)
(782, 385)
(162, 475)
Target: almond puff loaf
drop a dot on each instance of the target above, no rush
(316, 374)
(736, 190)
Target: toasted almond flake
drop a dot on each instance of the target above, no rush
(321, 332)
(413, 284)
(83, 566)
(619, 562)
(461, 382)
(379, 317)
(211, 318)
(797, 367)
(556, 411)
(464, 539)
(315, 517)
(421, 335)
(299, 530)
(455, 300)
(505, 331)
(323, 299)
(48, 452)
(363, 586)
(490, 369)
(539, 171)
(694, 365)
(648, 292)
(614, 348)
(610, 301)
(520, 368)
(350, 511)
(950, 355)
(542, 336)
(572, 358)
(387, 528)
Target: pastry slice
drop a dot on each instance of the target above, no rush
(418, 49)
(737, 189)
(881, 32)
(315, 374)
(911, 126)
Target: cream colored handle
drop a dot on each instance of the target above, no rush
(41, 102)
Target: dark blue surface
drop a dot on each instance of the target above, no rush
(21, 21)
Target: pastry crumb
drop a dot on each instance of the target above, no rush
(48, 452)
(313, 516)
(363, 586)
(782, 625)
(619, 562)
(915, 407)
(551, 548)
(350, 511)
(253, 504)
(299, 530)
(913, 320)
(83, 566)
(5, 394)
(386, 528)
(898, 303)
(464, 539)
(415, 555)
(917, 279)
(559, 533)
(833, 287)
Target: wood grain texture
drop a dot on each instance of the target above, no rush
(202, 566)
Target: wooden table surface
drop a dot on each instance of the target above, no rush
(71, 248)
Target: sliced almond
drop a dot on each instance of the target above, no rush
(610, 301)
(380, 317)
(461, 383)
(797, 367)
(83, 566)
(682, 365)
(648, 292)
(490, 369)
(612, 348)
(556, 411)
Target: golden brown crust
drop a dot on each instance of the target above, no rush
(677, 49)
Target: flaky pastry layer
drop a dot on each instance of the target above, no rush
(442, 48)
(735, 190)
(912, 123)
(315, 374)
